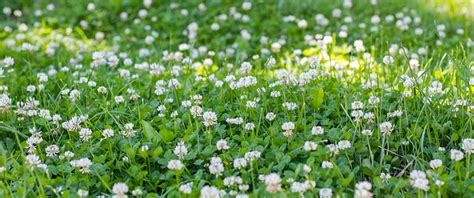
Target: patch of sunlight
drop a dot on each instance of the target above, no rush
(452, 8)
(340, 61)
(49, 40)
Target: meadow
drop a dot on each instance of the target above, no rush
(222, 98)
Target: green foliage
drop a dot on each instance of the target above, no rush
(95, 100)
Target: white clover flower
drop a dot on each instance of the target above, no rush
(386, 128)
(363, 190)
(91, 84)
(107, 133)
(210, 192)
(270, 116)
(435, 87)
(468, 145)
(44, 167)
(374, 100)
(119, 99)
(298, 187)
(210, 118)
(246, 5)
(216, 167)
(273, 182)
(240, 163)
(82, 193)
(33, 160)
(275, 94)
(52, 150)
(288, 128)
(457, 155)
(385, 176)
(8, 61)
(409, 82)
(5, 101)
(336, 13)
(232, 180)
(7, 11)
(244, 187)
(290, 106)
(218, 83)
(31, 88)
(142, 13)
(439, 182)
(34, 140)
(244, 82)
(252, 155)
(161, 108)
(222, 145)
(144, 148)
(276, 47)
(414, 64)
(270, 62)
(302, 24)
(85, 134)
(241, 196)
(333, 148)
(196, 111)
(128, 130)
(396, 113)
(359, 46)
(69, 154)
(58, 190)
(436, 163)
(310, 146)
(186, 188)
(418, 180)
(306, 169)
(65, 92)
(357, 115)
(325, 193)
(388, 60)
(317, 130)
(174, 83)
(357, 105)
(321, 20)
(369, 116)
(245, 34)
(74, 95)
(120, 190)
(147, 3)
(175, 165)
(186, 103)
(180, 150)
(249, 126)
(236, 121)
(327, 165)
(83, 164)
(344, 144)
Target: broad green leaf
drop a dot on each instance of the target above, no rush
(150, 133)
(317, 98)
(346, 181)
(152, 195)
(454, 137)
(158, 151)
(167, 135)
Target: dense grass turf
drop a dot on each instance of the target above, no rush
(236, 99)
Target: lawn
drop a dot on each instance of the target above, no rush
(222, 98)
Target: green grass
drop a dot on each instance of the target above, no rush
(416, 114)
